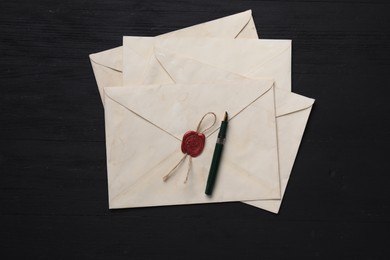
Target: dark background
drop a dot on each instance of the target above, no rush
(53, 188)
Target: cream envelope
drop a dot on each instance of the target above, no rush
(107, 65)
(252, 58)
(292, 110)
(144, 127)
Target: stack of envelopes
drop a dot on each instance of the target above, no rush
(155, 89)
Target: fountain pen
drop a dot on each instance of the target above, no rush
(217, 155)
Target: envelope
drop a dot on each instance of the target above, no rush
(107, 65)
(205, 60)
(144, 128)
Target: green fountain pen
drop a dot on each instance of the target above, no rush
(217, 155)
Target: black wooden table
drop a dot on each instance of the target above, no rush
(53, 187)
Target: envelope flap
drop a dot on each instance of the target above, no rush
(226, 27)
(224, 53)
(288, 102)
(138, 50)
(229, 27)
(112, 58)
(178, 108)
(186, 70)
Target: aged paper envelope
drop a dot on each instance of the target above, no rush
(144, 127)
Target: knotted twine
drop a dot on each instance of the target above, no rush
(192, 145)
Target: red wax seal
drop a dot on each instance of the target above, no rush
(193, 143)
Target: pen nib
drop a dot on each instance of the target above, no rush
(225, 118)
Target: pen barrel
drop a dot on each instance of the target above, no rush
(222, 129)
(214, 168)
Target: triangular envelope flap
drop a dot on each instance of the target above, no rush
(226, 27)
(186, 70)
(112, 58)
(229, 27)
(288, 102)
(178, 108)
(224, 53)
(138, 50)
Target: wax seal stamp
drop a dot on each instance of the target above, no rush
(193, 143)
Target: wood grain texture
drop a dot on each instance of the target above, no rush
(53, 187)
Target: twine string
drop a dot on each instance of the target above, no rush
(173, 170)
(166, 177)
(189, 169)
(200, 122)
